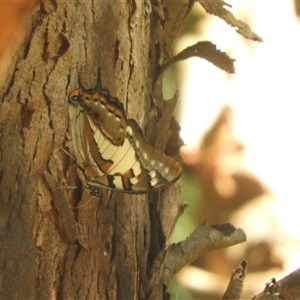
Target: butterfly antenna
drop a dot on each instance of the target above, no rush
(69, 154)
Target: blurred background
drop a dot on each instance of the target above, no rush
(241, 131)
(241, 157)
(13, 19)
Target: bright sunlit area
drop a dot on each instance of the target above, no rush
(253, 163)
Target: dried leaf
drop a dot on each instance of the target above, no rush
(216, 7)
(208, 51)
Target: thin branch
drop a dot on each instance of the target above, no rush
(286, 288)
(235, 287)
(203, 239)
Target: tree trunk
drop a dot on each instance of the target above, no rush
(113, 247)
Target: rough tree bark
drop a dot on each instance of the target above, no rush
(113, 247)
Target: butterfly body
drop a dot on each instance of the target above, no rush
(111, 151)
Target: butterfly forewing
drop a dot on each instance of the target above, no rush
(111, 151)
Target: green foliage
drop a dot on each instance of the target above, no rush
(192, 195)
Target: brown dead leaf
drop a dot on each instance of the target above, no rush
(216, 7)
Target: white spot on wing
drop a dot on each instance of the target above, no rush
(152, 173)
(154, 181)
(134, 180)
(129, 130)
(118, 182)
(137, 168)
(145, 155)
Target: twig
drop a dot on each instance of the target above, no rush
(203, 239)
(235, 287)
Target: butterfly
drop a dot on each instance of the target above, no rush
(111, 150)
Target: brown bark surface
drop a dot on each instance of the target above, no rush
(113, 247)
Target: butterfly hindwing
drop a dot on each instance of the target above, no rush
(111, 151)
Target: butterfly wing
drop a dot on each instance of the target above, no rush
(111, 151)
